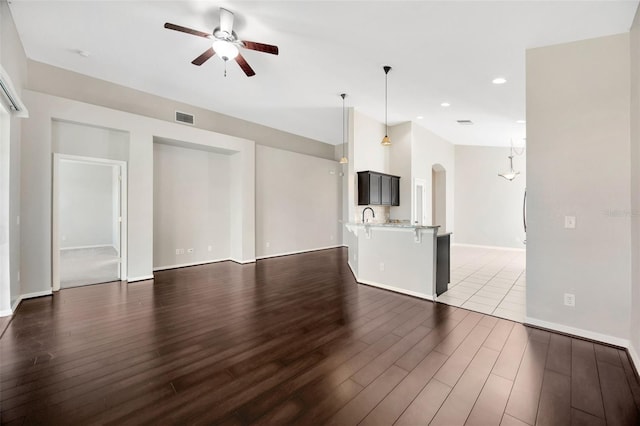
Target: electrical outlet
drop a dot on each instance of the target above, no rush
(268, 244)
(570, 300)
(570, 222)
(331, 237)
(209, 248)
(382, 266)
(190, 250)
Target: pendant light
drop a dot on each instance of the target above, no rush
(386, 141)
(344, 159)
(511, 174)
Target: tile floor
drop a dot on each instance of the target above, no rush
(490, 281)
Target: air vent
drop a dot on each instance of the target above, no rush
(465, 122)
(183, 117)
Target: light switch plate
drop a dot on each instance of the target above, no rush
(570, 222)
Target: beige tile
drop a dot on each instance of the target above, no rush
(490, 295)
(484, 300)
(451, 300)
(468, 284)
(512, 306)
(496, 290)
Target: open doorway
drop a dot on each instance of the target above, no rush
(488, 258)
(89, 232)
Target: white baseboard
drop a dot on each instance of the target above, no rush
(297, 252)
(22, 297)
(242, 262)
(183, 265)
(396, 289)
(140, 278)
(635, 359)
(490, 247)
(605, 338)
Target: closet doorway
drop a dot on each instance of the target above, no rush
(89, 221)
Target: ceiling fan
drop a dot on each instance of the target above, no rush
(225, 43)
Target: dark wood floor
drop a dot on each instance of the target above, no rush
(294, 340)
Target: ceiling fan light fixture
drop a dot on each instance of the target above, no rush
(225, 49)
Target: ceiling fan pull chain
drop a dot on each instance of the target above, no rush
(225, 68)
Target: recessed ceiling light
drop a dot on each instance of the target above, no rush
(445, 104)
(419, 117)
(499, 80)
(521, 121)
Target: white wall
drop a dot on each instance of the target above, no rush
(428, 149)
(578, 164)
(488, 207)
(635, 190)
(366, 153)
(89, 141)
(297, 202)
(191, 198)
(45, 78)
(400, 165)
(36, 183)
(86, 205)
(14, 61)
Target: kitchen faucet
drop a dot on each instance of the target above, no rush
(372, 212)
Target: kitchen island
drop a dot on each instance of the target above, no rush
(394, 256)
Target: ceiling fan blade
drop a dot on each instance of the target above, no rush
(261, 47)
(226, 21)
(245, 66)
(204, 57)
(182, 29)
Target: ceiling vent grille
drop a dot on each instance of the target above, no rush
(465, 122)
(183, 117)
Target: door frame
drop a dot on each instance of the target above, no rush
(419, 183)
(55, 243)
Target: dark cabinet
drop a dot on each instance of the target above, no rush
(443, 265)
(378, 189)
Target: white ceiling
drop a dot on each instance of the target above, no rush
(439, 50)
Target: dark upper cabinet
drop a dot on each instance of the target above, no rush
(385, 190)
(378, 189)
(395, 191)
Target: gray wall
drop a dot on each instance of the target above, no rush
(14, 61)
(60, 82)
(297, 202)
(86, 205)
(89, 141)
(191, 190)
(488, 207)
(578, 164)
(635, 188)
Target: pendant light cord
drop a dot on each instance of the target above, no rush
(386, 126)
